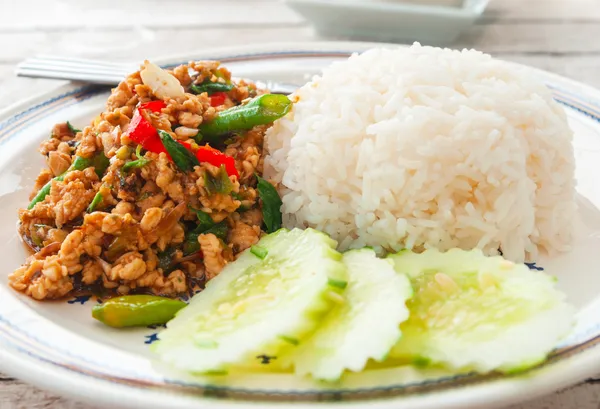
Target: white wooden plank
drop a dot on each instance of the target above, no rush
(136, 43)
(544, 9)
(556, 38)
(18, 395)
(69, 14)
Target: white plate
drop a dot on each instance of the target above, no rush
(387, 20)
(58, 346)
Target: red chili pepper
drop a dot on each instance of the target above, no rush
(218, 98)
(141, 131)
(154, 106)
(217, 158)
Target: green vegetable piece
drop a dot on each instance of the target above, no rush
(136, 310)
(337, 283)
(136, 164)
(206, 343)
(210, 87)
(183, 158)
(259, 251)
(276, 294)
(364, 327)
(271, 205)
(261, 110)
(190, 243)
(220, 230)
(220, 183)
(100, 162)
(138, 152)
(479, 313)
(291, 340)
(166, 259)
(204, 219)
(95, 202)
(73, 130)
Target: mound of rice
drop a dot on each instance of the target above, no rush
(424, 147)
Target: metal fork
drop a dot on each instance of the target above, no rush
(101, 72)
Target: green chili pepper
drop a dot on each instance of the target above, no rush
(261, 110)
(72, 128)
(137, 310)
(210, 87)
(95, 202)
(183, 158)
(100, 163)
(271, 205)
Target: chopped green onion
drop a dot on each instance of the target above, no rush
(95, 202)
(206, 343)
(291, 340)
(259, 252)
(341, 284)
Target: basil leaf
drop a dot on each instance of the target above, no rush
(100, 163)
(271, 205)
(220, 183)
(191, 245)
(183, 159)
(206, 222)
(72, 128)
(220, 230)
(210, 87)
(165, 259)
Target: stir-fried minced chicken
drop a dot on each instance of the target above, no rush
(139, 223)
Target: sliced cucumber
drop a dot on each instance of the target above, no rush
(365, 326)
(476, 312)
(255, 306)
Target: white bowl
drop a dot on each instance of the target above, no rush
(389, 20)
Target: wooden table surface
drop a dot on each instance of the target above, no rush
(556, 35)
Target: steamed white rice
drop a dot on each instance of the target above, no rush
(424, 147)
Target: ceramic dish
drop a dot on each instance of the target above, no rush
(56, 345)
(389, 20)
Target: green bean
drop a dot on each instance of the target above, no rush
(183, 158)
(261, 110)
(100, 163)
(137, 310)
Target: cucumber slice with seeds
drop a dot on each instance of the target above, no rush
(256, 307)
(481, 313)
(365, 326)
